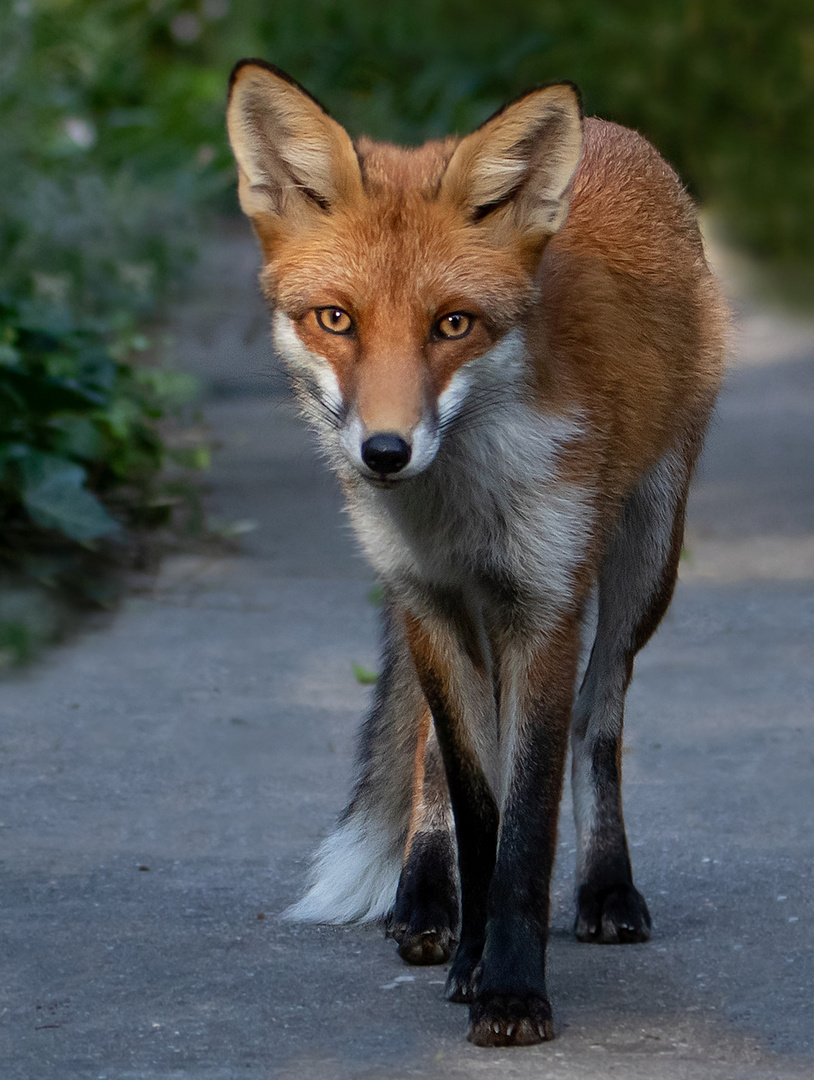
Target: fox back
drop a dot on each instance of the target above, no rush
(509, 345)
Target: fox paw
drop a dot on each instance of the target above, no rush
(615, 916)
(508, 1020)
(425, 916)
(432, 945)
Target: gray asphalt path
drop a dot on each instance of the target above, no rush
(164, 776)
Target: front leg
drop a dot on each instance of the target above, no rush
(454, 668)
(424, 920)
(511, 1005)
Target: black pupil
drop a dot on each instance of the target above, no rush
(336, 316)
(455, 323)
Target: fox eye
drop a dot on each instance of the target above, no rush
(334, 320)
(455, 325)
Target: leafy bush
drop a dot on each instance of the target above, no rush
(82, 460)
(92, 235)
(77, 427)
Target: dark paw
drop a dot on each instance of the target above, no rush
(432, 945)
(615, 916)
(510, 1021)
(424, 919)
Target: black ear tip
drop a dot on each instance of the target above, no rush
(272, 69)
(572, 86)
(566, 84)
(248, 61)
(253, 61)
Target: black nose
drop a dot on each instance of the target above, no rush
(385, 453)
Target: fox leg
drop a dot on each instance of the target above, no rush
(510, 1005)
(356, 869)
(636, 582)
(454, 669)
(425, 918)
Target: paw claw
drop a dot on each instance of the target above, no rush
(462, 980)
(510, 1021)
(459, 990)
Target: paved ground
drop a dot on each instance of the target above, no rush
(163, 778)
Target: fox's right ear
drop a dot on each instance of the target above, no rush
(293, 159)
(517, 167)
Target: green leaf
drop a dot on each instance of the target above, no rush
(376, 595)
(192, 457)
(363, 676)
(78, 437)
(121, 417)
(171, 388)
(54, 496)
(9, 356)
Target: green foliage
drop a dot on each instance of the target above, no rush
(96, 210)
(78, 436)
(16, 644)
(82, 460)
(92, 232)
(364, 676)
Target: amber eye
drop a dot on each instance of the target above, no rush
(334, 320)
(456, 325)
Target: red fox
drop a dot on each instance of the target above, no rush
(509, 345)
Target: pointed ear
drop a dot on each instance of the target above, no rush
(520, 162)
(293, 159)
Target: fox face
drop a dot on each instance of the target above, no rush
(398, 277)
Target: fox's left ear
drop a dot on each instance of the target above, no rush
(519, 164)
(294, 160)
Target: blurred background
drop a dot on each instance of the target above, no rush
(115, 170)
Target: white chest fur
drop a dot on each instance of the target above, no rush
(492, 508)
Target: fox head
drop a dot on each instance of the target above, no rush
(395, 275)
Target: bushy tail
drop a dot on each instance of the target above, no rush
(354, 876)
(356, 869)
